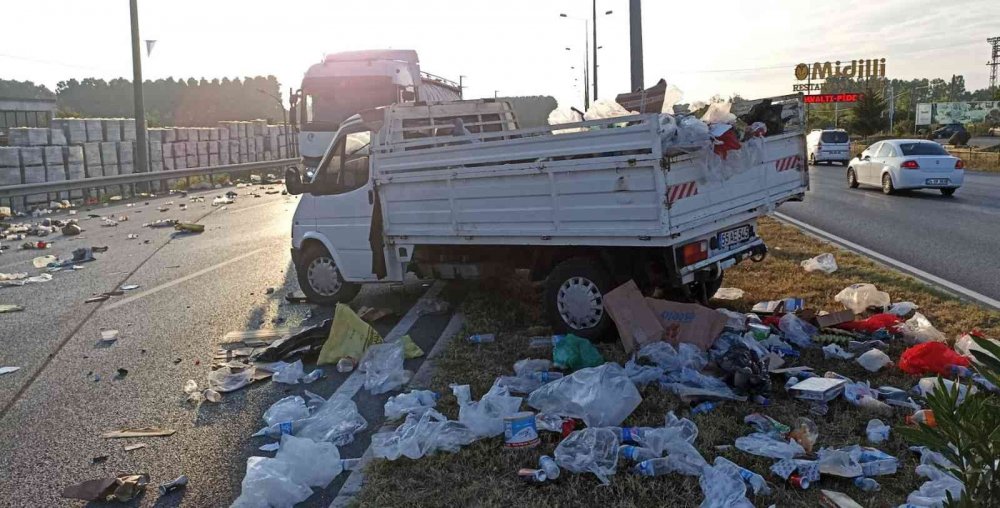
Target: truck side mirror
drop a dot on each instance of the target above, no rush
(293, 182)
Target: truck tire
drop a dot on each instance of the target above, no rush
(320, 278)
(574, 298)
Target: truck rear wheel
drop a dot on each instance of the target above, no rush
(574, 298)
(320, 278)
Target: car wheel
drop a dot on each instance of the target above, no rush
(852, 178)
(320, 278)
(887, 186)
(574, 298)
(949, 191)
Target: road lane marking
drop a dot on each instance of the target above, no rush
(354, 483)
(183, 279)
(914, 271)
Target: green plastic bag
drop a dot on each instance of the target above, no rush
(574, 353)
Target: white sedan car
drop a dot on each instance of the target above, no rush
(899, 164)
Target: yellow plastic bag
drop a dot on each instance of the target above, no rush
(349, 336)
(410, 349)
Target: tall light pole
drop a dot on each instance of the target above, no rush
(141, 159)
(586, 58)
(461, 86)
(635, 43)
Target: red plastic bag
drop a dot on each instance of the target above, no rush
(873, 324)
(930, 358)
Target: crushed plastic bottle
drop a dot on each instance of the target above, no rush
(924, 416)
(704, 407)
(481, 338)
(757, 482)
(682, 464)
(591, 450)
(313, 376)
(877, 431)
(867, 484)
(636, 453)
(804, 432)
(548, 464)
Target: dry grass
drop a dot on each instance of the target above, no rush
(484, 474)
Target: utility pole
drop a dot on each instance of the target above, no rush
(635, 42)
(461, 86)
(995, 61)
(141, 159)
(594, 2)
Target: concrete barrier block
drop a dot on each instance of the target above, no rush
(34, 174)
(93, 170)
(125, 168)
(128, 129)
(109, 153)
(213, 147)
(179, 149)
(155, 151)
(126, 152)
(76, 171)
(192, 147)
(10, 176)
(92, 154)
(213, 159)
(57, 137)
(74, 129)
(224, 156)
(234, 130)
(169, 135)
(180, 162)
(156, 167)
(112, 129)
(154, 135)
(259, 127)
(56, 173)
(258, 142)
(95, 130)
(192, 160)
(180, 134)
(202, 160)
(202, 148)
(203, 134)
(213, 134)
(10, 157)
(282, 152)
(53, 155)
(32, 156)
(27, 136)
(168, 164)
(167, 151)
(72, 155)
(223, 134)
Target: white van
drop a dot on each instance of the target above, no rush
(584, 206)
(828, 145)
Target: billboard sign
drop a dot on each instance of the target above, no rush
(830, 98)
(860, 69)
(959, 112)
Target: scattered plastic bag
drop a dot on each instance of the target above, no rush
(692, 133)
(839, 462)
(823, 263)
(930, 358)
(600, 396)
(902, 309)
(485, 417)
(591, 450)
(336, 421)
(573, 353)
(935, 491)
(349, 337)
(288, 409)
(564, 115)
(723, 487)
(877, 431)
(605, 108)
(805, 433)
(287, 479)
(859, 297)
(663, 355)
(873, 360)
(728, 294)
(642, 375)
(797, 331)
(919, 329)
(228, 379)
(415, 402)
(383, 368)
(965, 345)
(718, 112)
(422, 435)
(754, 480)
(927, 385)
(525, 367)
(837, 352)
(288, 373)
(764, 445)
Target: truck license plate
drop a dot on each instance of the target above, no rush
(734, 236)
(937, 181)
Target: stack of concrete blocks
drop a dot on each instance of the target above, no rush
(75, 170)
(33, 171)
(112, 129)
(95, 130)
(74, 129)
(55, 168)
(10, 171)
(28, 136)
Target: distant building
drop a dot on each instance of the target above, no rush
(26, 113)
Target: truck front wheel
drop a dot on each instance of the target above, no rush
(574, 298)
(320, 278)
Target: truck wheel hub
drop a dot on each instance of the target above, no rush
(324, 277)
(580, 303)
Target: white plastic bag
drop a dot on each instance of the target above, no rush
(902, 309)
(764, 445)
(797, 331)
(873, 360)
(600, 396)
(877, 431)
(288, 409)
(591, 450)
(485, 417)
(227, 379)
(311, 463)
(383, 367)
(965, 345)
(605, 108)
(415, 402)
(526, 367)
(824, 263)
(859, 297)
(564, 115)
(337, 420)
(919, 329)
(718, 112)
(287, 373)
(723, 487)
(837, 352)
(268, 483)
(422, 435)
(693, 133)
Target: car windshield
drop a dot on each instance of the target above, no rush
(922, 149)
(834, 137)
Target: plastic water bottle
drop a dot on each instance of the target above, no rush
(481, 338)
(548, 464)
(544, 342)
(654, 467)
(628, 434)
(704, 407)
(275, 431)
(546, 376)
(867, 484)
(636, 453)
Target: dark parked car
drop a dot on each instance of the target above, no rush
(947, 131)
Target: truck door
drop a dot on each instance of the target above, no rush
(344, 210)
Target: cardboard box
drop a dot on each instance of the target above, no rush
(688, 322)
(636, 323)
(819, 389)
(835, 318)
(778, 306)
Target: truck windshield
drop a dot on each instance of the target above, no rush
(332, 100)
(834, 137)
(923, 148)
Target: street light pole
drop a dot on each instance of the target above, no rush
(594, 3)
(635, 43)
(141, 158)
(586, 59)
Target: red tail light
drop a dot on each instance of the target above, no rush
(959, 164)
(819, 146)
(910, 165)
(694, 252)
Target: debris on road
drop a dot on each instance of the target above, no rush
(728, 294)
(349, 336)
(188, 228)
(139, 432)
(822, 263)
(122, 488)
(372, 314)
(129, 287)
(296, 297)
(8, 370)
(6, 307)
(177, 483)
(133, 447)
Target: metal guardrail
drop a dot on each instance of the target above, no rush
(27, 189)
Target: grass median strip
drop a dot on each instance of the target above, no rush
(484, 473)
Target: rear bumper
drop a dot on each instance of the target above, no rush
(918, 179)
(715, 265)
(837, 157)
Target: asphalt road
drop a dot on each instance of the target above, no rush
(193, 289)
(956, 239)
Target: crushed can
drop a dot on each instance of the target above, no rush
(533, 476)
(798, 481)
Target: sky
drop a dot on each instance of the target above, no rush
(509, 47)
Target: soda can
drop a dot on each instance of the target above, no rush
(798, 481)
(534, 476)
(568, 426)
